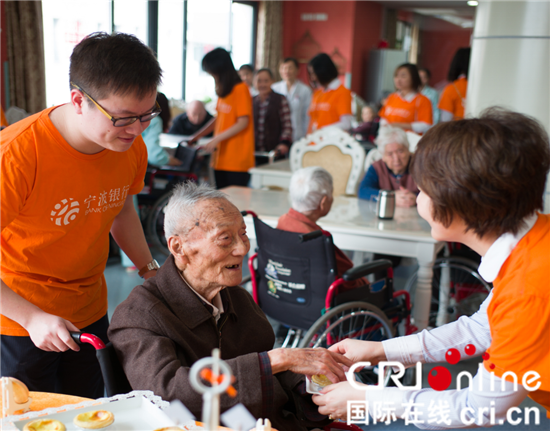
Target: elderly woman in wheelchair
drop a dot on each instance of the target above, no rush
(311, 198)
(194, 304)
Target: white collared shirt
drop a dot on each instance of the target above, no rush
(431, 347)
(216, 304)
(299, 99)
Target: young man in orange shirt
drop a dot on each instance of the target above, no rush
(481, 183)
(68, 176)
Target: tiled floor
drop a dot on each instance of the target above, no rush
(120, 284)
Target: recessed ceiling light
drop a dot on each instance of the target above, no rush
(472, 3)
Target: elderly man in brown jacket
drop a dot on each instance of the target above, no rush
(194, 304)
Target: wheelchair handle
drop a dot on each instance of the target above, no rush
(309, 236)
(82, 337)
(366, 269)
(252, 213)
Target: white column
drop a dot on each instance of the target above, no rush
(510, 60)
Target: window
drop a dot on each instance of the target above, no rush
(65, 25)
(209, 24)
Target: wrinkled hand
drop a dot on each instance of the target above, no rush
(211, 146)
(334, 399)
(360, 351)
(405, 198)
(310, 362)
(51, 333)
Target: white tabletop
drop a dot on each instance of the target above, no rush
(347, 214)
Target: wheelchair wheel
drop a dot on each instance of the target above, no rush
(357, 320)
(155, 224)
(467, 289)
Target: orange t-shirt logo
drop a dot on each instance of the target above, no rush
(65, 212)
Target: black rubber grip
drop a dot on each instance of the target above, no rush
(75, 336)
(309, 236)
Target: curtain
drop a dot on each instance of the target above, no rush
(25, 39)
(269, 50)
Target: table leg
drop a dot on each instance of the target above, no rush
(423, 298)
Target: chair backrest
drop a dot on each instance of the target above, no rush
(334, 150)
(372, 156)
(293, 276)
(187, 155)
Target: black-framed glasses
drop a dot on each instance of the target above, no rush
(123, 121)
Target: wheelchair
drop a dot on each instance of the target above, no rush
(457, 288)
(159, 182)
(295, 282)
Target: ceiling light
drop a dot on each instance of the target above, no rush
(472, 3)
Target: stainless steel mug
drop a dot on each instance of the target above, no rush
(385, 207)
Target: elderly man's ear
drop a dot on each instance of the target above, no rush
(325, 205)
(176, 247)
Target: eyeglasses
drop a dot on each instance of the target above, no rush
(123, 121)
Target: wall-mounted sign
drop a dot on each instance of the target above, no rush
(314, 17)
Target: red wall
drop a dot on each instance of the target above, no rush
(354, 27)
(336, 32)
(3, 51)
(439, 41)
(367, 34)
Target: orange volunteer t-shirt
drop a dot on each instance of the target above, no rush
(57, 209)
(453, 98)
(519, 313)
(399, 110)
(235, 154)
(328, 106)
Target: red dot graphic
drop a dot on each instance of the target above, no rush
(470, 349)
(485, 356)
(492, 366)
(439, 378)
(452, 356)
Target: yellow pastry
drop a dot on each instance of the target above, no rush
(321, 380)
(20, 391)
(169, 429)
(44, 425)
(94, 420)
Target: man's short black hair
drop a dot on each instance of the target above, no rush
(291, 60)
(104, 64)
(324, 68)
(265, 69)
(248, 67)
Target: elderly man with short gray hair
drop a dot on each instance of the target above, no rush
(311, 198)
(195, 304)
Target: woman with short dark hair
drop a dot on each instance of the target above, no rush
(481, 183)
(331, 102)
(407, 108)
(232, 147)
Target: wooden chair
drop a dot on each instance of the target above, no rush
(334, 150)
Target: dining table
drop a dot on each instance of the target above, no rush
(354, 226)
(276, 174)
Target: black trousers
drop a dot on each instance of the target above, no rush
(228, 178)
(71, 373)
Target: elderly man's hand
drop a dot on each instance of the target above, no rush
(334, 399)
(310, 362)
(405, 198)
